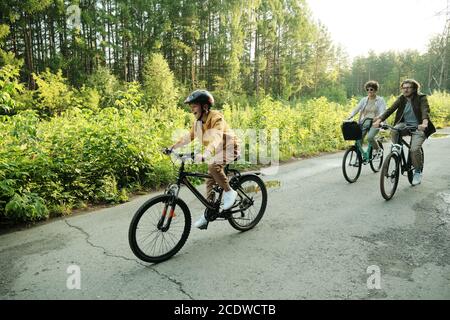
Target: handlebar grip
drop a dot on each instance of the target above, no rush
(186, 156)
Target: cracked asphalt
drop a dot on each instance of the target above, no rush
(316, 241)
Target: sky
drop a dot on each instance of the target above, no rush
(380, 25)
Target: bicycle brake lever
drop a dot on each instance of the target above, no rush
(167, 151)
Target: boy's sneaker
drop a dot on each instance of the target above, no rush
(201, 222)
(417, 178)
(228, 199)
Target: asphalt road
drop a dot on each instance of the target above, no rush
(321, 238)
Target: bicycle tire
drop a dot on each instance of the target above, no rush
(184, 229)
(352, 151)
(236, 219)
(386, 175)
(378, 167)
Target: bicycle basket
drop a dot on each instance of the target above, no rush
(351, 131)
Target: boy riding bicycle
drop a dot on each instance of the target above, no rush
(220, 142)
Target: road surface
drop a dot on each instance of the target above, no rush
(321, 238)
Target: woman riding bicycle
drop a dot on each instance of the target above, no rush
(370, 107)
(221, 146)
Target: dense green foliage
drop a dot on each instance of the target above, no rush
(431, 69)
(85, 109)
(253, 48)
(66, 150)
(81, 157)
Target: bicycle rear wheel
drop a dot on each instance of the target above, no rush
(375, 164)
(410, 167)
(252, 194)
(151, 237)
(389, 176)
(351, 164)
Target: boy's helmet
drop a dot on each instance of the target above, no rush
(200, 96)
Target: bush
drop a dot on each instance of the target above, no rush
(130, 97)
(440, 109)
(334, 93)
(26, 207)
(53, 95)
(81, 156)
(89, 155)
(304, 128)
(159, 82)
(106, 84)
(10, 89)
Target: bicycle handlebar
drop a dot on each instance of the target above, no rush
(182, 156)
(386, 126)
(370, 120)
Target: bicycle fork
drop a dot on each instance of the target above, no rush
(165, 220)
(404, 165)
(396, 149)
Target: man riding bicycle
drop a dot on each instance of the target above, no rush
(220, 142)
(413, 111)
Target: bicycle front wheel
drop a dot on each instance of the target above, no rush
(375, 164)
(351, 164)
(252, 195)
(156, 232)
(389, 176)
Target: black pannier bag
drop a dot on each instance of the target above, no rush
(351, 130)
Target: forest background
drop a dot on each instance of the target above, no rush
(91, 90)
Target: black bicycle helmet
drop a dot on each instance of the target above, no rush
(200, 96)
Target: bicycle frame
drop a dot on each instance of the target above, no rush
(182, 180)
(365, 154)
(395, 147)
(398, 147)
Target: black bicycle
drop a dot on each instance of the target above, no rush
(356, 156)
(397, 163)
(161, 226)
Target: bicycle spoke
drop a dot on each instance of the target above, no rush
(251, 191)
(351, 165)
(153, 241)
(389, 177)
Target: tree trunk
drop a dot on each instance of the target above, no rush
(256, 70)
(29, 54)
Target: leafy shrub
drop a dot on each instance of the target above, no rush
(53, 95)
(106, 85)
(26, 207)
(88, 152)
(440, 108)
(159, 82)
(10, 88)
(80, 157)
